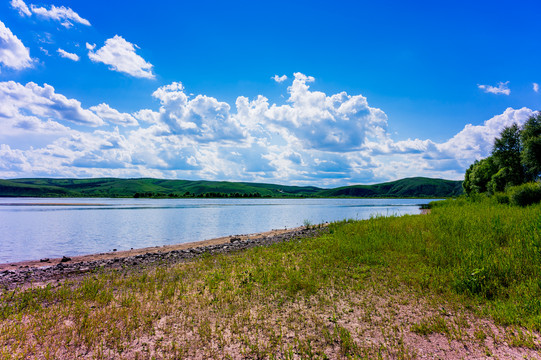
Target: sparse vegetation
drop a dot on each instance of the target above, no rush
(467, 272)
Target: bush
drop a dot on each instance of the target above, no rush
(501, 198)
(525, 194)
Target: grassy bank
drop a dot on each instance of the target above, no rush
(464, 280)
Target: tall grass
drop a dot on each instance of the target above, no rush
(488, 252)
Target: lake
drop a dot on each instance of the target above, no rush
(34, 228)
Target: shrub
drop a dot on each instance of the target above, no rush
(501, 198)
(525, 194)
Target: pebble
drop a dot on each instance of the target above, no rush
(65, 268)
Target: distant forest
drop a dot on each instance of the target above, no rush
(417, 187)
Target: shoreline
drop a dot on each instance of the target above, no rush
(40, 273)
(140, 251)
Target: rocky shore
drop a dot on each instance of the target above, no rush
(66, 268)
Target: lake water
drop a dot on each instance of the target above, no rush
(34, 228)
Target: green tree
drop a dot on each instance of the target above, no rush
(530, 137)
(507, 154)
(499, 181)
(479, 175)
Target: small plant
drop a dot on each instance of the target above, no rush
(307, 223)
(479, 334)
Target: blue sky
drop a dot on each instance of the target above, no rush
(295, 92)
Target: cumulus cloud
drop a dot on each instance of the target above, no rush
(121, 56)
(107, 113)
(203, 118)
(314, 138)
(66, 16)
(279, 79)
(147, 115)
(21, 7)
(42, 102)
(501, 89)
(13, 54)
(339, 122)
(68, 55)
(475, 141)
(12, 161)
(450, 157)
(536, 87)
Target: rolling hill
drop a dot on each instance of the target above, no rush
(147, 187)
(410, 187)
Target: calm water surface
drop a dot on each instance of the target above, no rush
(33, 228)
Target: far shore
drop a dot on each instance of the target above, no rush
(141, 251)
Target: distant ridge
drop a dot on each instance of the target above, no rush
(409, 187)
(418, 187)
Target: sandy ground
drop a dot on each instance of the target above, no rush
(134, 252)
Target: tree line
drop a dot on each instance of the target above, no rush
(515, 160)
(188, 194)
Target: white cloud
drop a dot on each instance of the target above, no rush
(66, 16)
(13, 54)
(315, 138)
(42, 102)
(120, 55)
(475, 141)
(501, 89)
(107, 113)
(536, 87)
(90, 46)
(279, 79)
(147, 115)
(449, 158)
(68, 55)
(203, 117)
(12, 161)
(21, 7)
(338, 123)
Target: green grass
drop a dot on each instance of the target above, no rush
(314, 298)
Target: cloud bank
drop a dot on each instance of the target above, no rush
(313, 138)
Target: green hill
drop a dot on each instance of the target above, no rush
(147, 187)
(410, 187)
